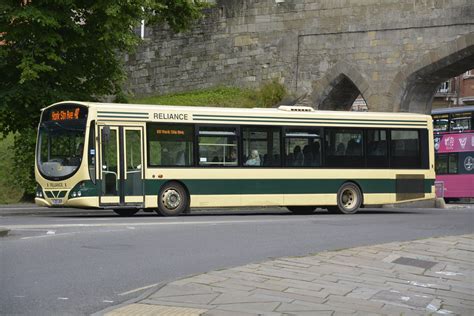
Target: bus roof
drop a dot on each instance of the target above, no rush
(254, 111)
(458, 109)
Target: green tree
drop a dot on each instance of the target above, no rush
(53, 50)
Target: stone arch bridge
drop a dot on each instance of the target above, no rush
(393, 52)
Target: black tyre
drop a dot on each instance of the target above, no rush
(301, 210)
(126, 212)
(349, 199)
(172, 200)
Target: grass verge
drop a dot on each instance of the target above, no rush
(267, 95)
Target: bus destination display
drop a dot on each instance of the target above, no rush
(65, 115)
(169, 132)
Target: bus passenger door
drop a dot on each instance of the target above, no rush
(121, 166)
(133, 166)
(109, 165)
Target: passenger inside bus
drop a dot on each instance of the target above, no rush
(254, 159)
(297, 156)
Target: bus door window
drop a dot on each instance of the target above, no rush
(261, 146)
(170, 145)
(377, 148)
(110, 164)
(344, 147)
(133, 162)
(91, 153)
(303, 147)
(218, 146)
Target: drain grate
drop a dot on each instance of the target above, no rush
(415, 262)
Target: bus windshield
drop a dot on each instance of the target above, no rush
(61, 141)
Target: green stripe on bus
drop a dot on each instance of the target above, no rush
(278, 186)
(261, 186)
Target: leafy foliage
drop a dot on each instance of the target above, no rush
(10, 191)
(271, 93)
(52, 50)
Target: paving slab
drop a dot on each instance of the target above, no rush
(430, 276)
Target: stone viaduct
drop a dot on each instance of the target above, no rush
(393, 52)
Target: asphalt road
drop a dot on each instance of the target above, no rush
(80, 262)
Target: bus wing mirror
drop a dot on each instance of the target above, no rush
(105, 135)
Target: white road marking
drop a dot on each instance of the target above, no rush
(107, 301)
(63, 298)
(50, 226)
(139, 289)
(43, 236)
(50, 232)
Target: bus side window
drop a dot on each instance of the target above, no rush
(218, 146)
(170, 144)
(261, 146)
(344, 147)
(377, 151)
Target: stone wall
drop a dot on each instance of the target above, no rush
(329, 49)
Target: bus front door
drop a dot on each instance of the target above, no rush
(121, 160)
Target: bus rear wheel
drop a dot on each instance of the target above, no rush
(301, 210)
(126, 212)
(172, 200)
(349, 199)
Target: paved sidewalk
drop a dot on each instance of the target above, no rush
(430, 276)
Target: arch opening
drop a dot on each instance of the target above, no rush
(340, 94)
(421, 86)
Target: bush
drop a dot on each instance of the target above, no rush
(10, 190)
(270, 94)
(24, 167)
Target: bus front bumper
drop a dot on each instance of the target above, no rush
(42, 202)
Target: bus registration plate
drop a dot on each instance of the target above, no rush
(57, 201)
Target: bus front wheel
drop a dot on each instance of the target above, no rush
(349, 199)
(172, 200)
(301, 210)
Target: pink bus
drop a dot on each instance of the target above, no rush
(454, 147)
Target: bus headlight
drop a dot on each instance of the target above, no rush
(79, 193)
(73, 194)
(39, 191)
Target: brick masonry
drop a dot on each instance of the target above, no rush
(394, 52)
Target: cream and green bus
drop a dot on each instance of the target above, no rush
(170, 159)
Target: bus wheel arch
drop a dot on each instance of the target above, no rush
(350, 198)
(173, 199)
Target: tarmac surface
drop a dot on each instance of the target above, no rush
(429, 276)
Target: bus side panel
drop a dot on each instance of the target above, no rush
(457, 186)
